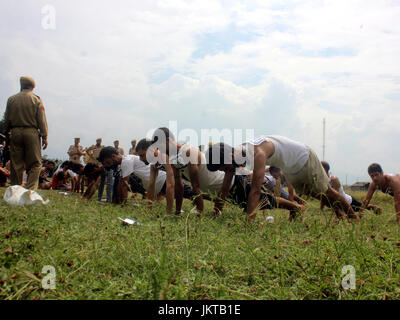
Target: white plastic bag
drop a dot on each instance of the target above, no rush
(19, 196)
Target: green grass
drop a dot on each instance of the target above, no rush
(186, 257)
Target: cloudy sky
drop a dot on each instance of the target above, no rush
(117, 69)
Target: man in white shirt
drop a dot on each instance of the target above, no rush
(131, 164)
(299, 163)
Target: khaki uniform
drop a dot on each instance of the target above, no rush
(132, 151)
(25, 120)
(120, 151)
(74, 155)
(93, 153)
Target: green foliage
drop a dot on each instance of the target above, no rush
(186, 257)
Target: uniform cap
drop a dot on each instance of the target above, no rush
(27, 81)
(99, 139)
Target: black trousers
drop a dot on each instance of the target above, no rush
(240, 191)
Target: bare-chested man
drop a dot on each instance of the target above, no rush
(389, 184)
(336, 184)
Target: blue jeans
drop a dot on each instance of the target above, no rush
(108, 178)
(116, 177)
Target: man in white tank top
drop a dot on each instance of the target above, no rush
(298, 162)
(187, 160)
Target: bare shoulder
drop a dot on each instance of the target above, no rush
(194, 155)
(395, 182)
(335, 179)
(335, 182)
(373, 186)
(265, 150)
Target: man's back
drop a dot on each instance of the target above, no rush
(289, 155)
(26, 125)
(25, 109)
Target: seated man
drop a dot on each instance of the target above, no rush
(191, 162)
(44, 182)
(389, 184)
(335, 184)
(4, 174)
(299, 162)
(60, 181)
(70, 178)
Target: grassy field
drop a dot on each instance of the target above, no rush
(96, 257)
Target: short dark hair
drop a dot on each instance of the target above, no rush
(375, 167)
(89, 169)
(75, 167)
(61, 175)
(106, 153)
(274, 169)
(326, 165)
(161, 134)
(143, 144)
(66, 164)
(218, 155)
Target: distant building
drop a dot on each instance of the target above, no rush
(360, 186)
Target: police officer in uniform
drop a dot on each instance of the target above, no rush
(75, 152)
(132, 150)
(116, 145)
(26, 128)
(93, 152)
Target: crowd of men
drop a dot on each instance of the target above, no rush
(251, 175)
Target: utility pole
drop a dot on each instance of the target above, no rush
(323, 143)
